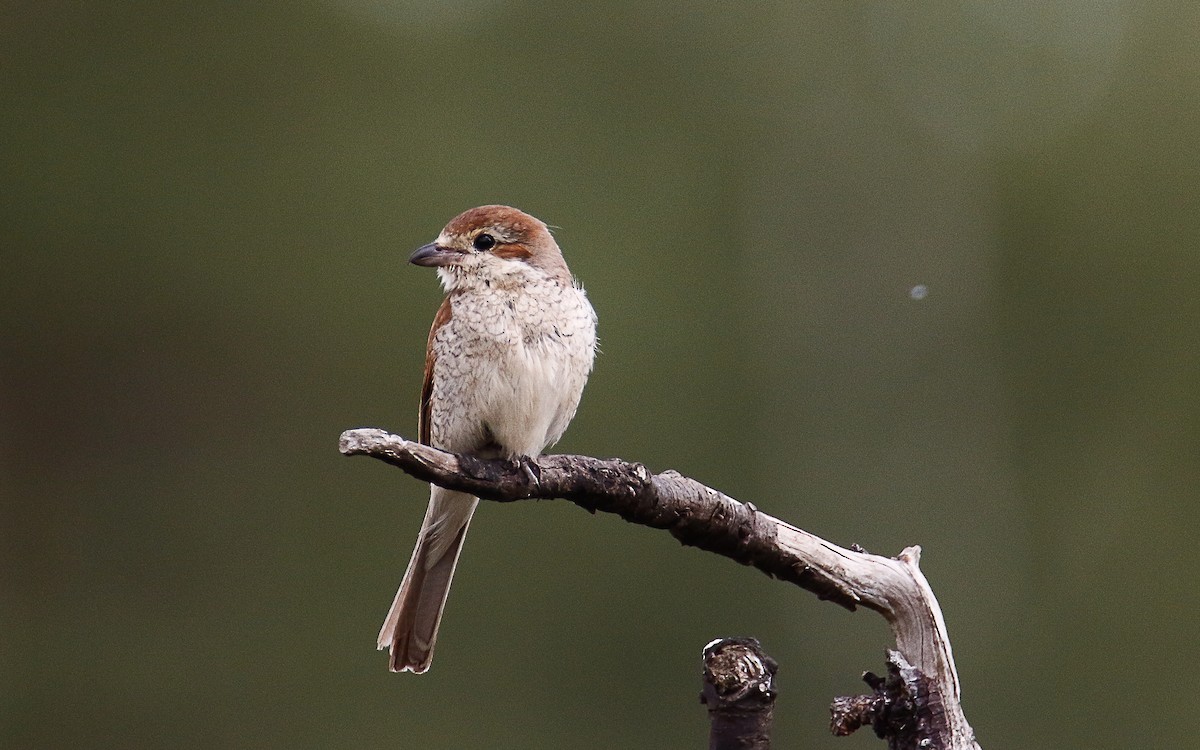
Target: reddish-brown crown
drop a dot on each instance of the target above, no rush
(514, 224)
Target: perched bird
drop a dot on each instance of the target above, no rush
(508, 355)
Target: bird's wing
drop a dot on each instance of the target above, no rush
(442, 317)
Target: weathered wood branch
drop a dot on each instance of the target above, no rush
(702, 517)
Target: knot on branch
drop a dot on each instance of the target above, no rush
(904, 708)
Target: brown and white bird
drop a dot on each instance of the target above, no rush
(508, 355)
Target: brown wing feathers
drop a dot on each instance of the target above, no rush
(442, 317)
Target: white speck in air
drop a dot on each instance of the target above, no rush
(919, 292)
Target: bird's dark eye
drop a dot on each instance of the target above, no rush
(484, 241)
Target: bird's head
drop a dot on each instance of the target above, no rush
(495, 245)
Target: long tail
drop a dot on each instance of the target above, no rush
(410, 630)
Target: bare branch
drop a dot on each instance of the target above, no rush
(700, 516)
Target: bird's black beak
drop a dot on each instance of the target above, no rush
(433, 255)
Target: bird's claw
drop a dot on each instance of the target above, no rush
(532, 470)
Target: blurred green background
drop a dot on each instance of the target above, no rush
(207, 210)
